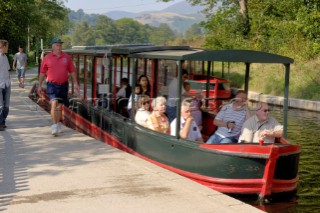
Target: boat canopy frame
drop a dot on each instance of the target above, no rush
(245, 56)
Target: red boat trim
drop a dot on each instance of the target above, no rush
(252, 149)
(263, 186)
(269, 170)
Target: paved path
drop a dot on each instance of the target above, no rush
(75, 173)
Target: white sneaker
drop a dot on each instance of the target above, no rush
(59, 128)
(54, 129)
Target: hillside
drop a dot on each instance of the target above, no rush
(177, 22)
(183, 8)
(179, 16)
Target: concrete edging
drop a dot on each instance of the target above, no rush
(293, 102)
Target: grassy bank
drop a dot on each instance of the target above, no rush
(269, 78)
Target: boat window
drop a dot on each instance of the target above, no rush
(99, 71)
(81, 74)
(211, 86)
(195, 68)
(226, 86)
(88, 78)
(167, 71)
(123, 69)
(196, 85)
(141, 67)
(76, 64)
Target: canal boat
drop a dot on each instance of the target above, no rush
(229, 168)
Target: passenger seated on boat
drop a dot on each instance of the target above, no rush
(261, 126)
(196, 98)
(144, 84)
(157, 120)
(123, 96)
(137, 92)
(103, 101)
(230, 119)
(143, 112)
(188, 128)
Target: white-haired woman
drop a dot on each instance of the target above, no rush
(157, 120)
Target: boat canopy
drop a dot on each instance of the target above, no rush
(246, 56)
(138, 49)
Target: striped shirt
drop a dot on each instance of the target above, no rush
(228, 114)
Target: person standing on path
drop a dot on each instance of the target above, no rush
(57, 66)
(20, 63)
(5, 84)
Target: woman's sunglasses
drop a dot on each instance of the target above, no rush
(146, 102)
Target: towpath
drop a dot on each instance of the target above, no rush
(76, 173)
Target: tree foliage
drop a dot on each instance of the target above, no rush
(161, 35)
(289, 27)
(194, 31)
(123, 31)
(24, 23)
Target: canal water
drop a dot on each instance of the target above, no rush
(304, 130)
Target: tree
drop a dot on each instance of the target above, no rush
(80, 34)
(130, 31)
(289, 27)
(105, 31)
(33, 19)
(161, 35)
(194, 30)
(242, 13)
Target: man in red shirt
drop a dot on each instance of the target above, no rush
(57, 66)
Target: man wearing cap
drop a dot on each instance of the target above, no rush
(57, 66)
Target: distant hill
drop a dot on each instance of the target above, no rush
(183, 8)
(117, 14)
(179, 8)
(179, 16)
(177, 22)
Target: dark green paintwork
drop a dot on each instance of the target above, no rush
(186, 155)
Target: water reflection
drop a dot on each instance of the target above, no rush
(303, 129)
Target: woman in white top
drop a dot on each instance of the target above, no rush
(143, 112)
(144, 89)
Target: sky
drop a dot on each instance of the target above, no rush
(103, 6)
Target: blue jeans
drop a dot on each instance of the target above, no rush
(216, 139)
(20, 73)
(171, 112)
(4, 103)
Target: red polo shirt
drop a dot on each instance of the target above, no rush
(57, 68)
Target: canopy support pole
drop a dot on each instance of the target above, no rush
(247, 76)
(286, 101)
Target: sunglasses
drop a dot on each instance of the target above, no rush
(146, 102)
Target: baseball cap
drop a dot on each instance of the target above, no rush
(56, 40)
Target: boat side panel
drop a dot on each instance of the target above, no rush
(180, 154)
(169, 151)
